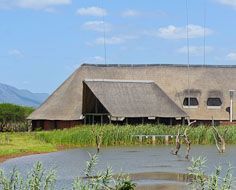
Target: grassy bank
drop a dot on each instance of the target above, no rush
(122, 135)
(14, 144)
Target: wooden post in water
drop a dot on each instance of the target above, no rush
(140, 138)
(153, 139)
(166, 139)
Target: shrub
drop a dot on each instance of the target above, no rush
(40, 179)
(200, 181)
(37, 179)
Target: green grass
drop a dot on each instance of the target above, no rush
(122, 135)
(22, 143)
(81, 136)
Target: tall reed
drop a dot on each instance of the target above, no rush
(123, 135)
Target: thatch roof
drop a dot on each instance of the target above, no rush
(66, 102)
(130, 98)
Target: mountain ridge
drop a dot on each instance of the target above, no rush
(13, 95)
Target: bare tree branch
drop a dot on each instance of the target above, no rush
(177, 144)
(188, 143)
(219, 140)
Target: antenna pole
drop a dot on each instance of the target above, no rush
(104, 39)
(204, 39)
(187, 41)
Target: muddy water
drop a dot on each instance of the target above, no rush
(149, 166)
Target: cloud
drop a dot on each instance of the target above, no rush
(26, 82)
(130, 13)
(231, 56)
(114, 40)
(32, 4)
(97, 26)
(173, 32)
(195, 50)
(16, 53)
(231, 3)
(110, 41)
(96, 59)
(91, 11)
(51, 10)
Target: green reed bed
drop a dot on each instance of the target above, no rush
(122, 135)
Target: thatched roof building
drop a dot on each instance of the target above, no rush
(157, 90)
(129, 98)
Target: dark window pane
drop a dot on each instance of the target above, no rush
(193, 101)
(214, 102)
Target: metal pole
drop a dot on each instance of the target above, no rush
(92, 119)
(101, 119)
(212, 121)
(231, 106)
(110, 119)
(171, 122)
(183, 120)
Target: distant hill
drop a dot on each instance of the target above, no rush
(9, 94)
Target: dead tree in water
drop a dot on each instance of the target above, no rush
(219, 139)
(187, 142)
(177, 142)
(98, 138)
(98, 141)
(178, 145)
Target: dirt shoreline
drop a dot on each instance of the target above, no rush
(4, 158)
(7, 157)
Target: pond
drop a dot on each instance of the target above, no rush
(145, 163)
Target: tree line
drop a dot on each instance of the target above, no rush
(13, 117)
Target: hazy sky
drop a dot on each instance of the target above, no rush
(43, 41)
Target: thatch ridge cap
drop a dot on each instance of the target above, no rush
(120, 81)
(156, 64)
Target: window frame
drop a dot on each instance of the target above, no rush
(191, 106)
(214, 107)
